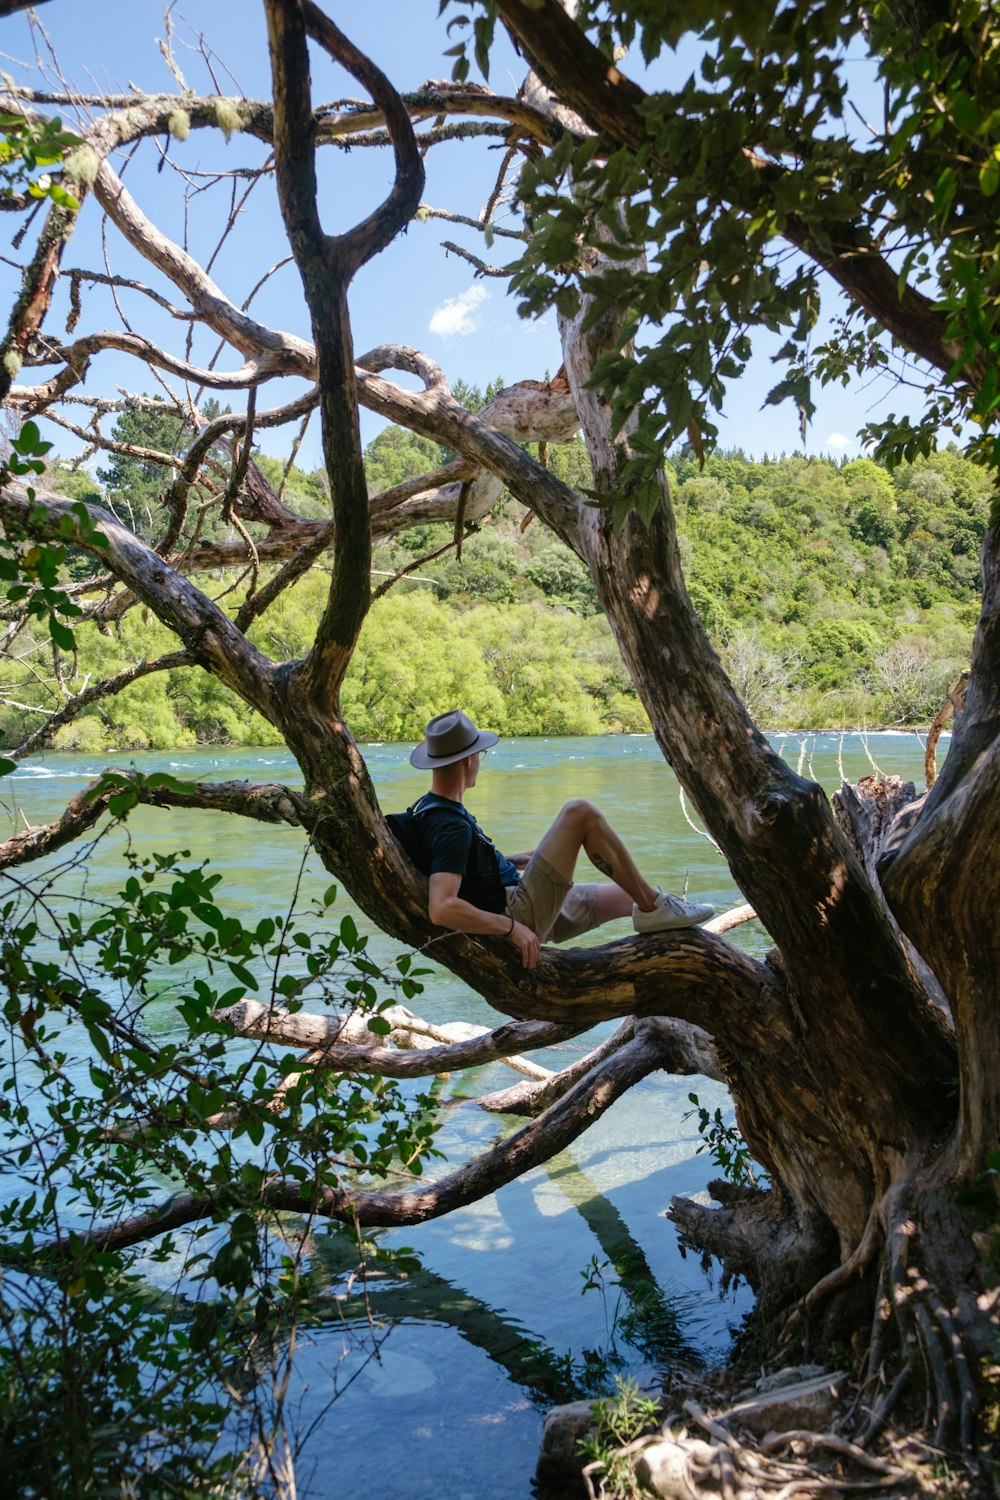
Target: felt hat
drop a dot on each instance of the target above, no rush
(450, 737)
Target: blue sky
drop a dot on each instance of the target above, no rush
(415, 292)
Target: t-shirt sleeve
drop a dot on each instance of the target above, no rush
(450, 840)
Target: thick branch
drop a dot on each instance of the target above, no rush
(264, 802)
(379, 229)
(327, 265)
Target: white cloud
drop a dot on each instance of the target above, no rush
(458, 314)
(838, 442)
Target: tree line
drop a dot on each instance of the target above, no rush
(837, 594)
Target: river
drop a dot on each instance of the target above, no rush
(477, 1342)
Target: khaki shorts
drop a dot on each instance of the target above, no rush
(555, 909)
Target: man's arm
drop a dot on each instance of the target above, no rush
(446, 908)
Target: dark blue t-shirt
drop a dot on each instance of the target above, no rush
(455, 844)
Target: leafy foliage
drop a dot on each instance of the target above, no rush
(724, 1144)
(33, 570)
(758, 148)
(121, 1089)
(27, 147)
(618, 1420)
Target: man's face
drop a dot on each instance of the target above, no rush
(472, 763)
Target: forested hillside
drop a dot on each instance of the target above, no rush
(837, 596)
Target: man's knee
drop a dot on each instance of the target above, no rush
(580, 815)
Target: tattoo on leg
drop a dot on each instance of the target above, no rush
(600, 863)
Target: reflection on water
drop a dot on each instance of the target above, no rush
(498, 1322)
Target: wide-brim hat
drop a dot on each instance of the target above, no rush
(450, 737)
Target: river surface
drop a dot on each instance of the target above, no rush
(476, 1343)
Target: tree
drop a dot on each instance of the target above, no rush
(878, 1230)
(134, 484)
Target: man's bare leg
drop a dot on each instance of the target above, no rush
(581, 826)
(612, 902)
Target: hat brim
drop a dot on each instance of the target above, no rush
(426, 762)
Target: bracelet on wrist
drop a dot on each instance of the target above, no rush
(510, 929)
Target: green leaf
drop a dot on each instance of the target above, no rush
(989, 177)
(61, 634)
(944, 192)
(244, 975)
(123, 802)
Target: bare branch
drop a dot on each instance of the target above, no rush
(389, 500)
(483, 225)
(333, 1040)
(377, 231)
(482, 267)
(77, 274)
(108, 688)
(327, 265)
(76, 357)
(533, 1097)
(685, 1049)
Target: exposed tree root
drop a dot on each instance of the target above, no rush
(714, 1445)
(855, 1264)
(712, 1456)
(758, 1236)
(936, 1314)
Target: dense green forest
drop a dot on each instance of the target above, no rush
(838, 596)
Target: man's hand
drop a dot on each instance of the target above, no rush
(447, 909)
(527, 942)
(519, 861)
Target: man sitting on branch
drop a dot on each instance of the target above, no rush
(476, 889)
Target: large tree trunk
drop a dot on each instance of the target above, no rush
(849, 1098)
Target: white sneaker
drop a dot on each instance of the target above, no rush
(671, 912)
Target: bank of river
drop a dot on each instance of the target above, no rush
(454, 1405)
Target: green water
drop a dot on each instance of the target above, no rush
(454, 1406)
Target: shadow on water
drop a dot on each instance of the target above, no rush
(639, 1314)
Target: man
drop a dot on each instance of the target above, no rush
(476, 889)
